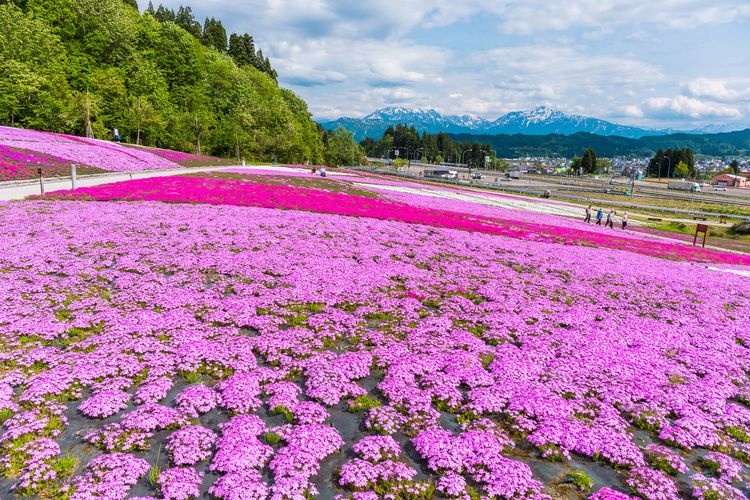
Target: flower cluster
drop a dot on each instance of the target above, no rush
(295, 464)
(109, 476)
(706, 488)
(105, 403)
(664, 459)
(377, 463)
(190, 445)
(180, 483)
(242, 456)
(649, 483)
(196, 400)
(728, 469)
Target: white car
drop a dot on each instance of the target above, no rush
(720, 188)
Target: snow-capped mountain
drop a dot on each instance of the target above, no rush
(540, 120)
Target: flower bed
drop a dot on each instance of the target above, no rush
(298, 353)
(228, 192)
(102, 155)
(16, 164)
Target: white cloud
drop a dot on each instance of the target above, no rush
(633, 111)
(728, 90)
(535, 16)
(683, 106)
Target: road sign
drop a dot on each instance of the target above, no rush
(486, 159)
(396, 152)
(700, 228)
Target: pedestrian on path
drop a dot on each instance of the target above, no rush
(599, 217)
(624, 220)
(610, 216)
(588, 215)
(116, 133)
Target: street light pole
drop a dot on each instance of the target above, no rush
(669, 166)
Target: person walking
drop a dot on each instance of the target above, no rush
(624, 220)
(588, 215)
(116, 133)
(610, 216)
(599, 217)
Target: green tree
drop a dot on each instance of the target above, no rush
(734, 166)
(576, 165)
(681, 170)
(185, 20)
(214, 35)
(588, 161)
(603, 165)
(164, 15)
(242, 49)
(342, 149)
(33, 87)
(131, 3)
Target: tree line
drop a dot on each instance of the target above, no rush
(431, 148)
(85, 67)
(241, 48)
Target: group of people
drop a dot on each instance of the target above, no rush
(610, 217)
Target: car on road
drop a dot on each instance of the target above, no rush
(476, 175)
(720, 188)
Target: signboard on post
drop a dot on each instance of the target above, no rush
(700, 228)
(486, 159)
(396, 152)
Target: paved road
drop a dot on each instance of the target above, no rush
(20, 190)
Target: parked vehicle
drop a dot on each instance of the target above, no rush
(440, 173)
(685, 186)
(476, 175)
(720, 188)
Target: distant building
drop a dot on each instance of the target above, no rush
(729, 180)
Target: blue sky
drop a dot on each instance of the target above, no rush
(652, 63)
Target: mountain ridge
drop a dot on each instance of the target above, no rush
(539, 120)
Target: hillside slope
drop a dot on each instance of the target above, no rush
(85, 67)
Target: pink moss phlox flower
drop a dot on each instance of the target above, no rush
(196, 400)
(728, 469)
(238, 448)
(664, 458)
(38, 464)
(153, 391)
(607, 493)
(451, 484)
(377, 448)
(282, 394)
(190, 445)
(240, 393)
(180, 483)
(296, 463)
(244, 484)
(649, 483)
(384, 419)
(105, 403)
(309, 412)
(109, 476)
(709, 488)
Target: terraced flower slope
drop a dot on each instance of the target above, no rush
(23, 151)
(236, 350)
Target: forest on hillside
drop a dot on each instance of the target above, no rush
(161, 78)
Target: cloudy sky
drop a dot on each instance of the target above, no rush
(654, 63)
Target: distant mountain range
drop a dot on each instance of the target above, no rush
(540, 120)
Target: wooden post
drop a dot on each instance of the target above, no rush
(700, 228)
